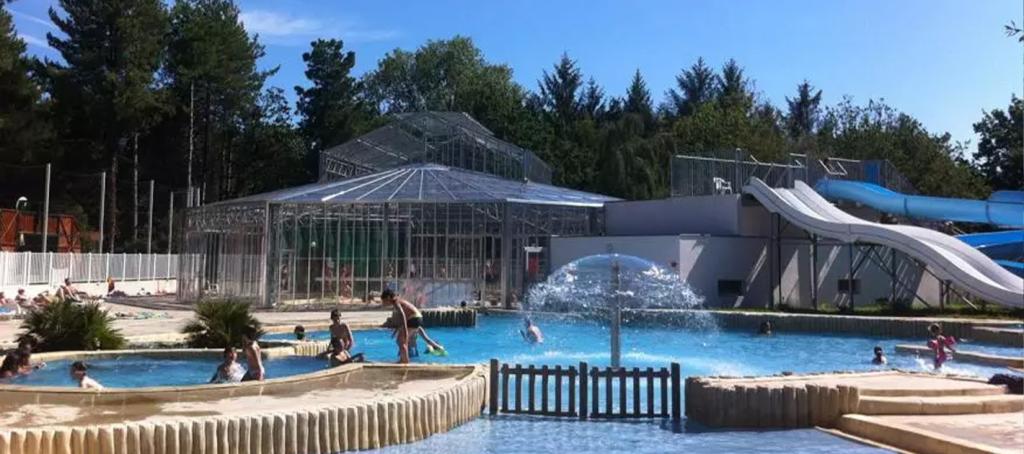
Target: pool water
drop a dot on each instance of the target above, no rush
(715, 352)
(136, 371)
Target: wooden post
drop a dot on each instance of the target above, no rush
(583, 390)
(504, 388)
(572, 391)
(608, 373)
(636, 391)
(676, 395)
(531, 384)
(663, 373)
(492, 406)
(558, 391)
(519, 388)
(595, 383)
(622, 391)
(650, 392)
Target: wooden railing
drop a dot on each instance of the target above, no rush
(656, 393)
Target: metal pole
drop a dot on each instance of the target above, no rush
(46, 208)
(616, 315)
(814, 271)
(103, 205)
(849, 280)
(149, 234)
(170, 224)
(191, 126)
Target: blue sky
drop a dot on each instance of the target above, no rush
(942, 61)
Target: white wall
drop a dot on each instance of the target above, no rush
(714, 215)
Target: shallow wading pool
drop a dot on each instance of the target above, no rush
(715, 352)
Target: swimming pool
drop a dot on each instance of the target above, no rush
(140, 370)
(716, 352)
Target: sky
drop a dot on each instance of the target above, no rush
(942, 61)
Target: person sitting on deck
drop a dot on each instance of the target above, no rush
(879, 358)
(253, 356)
(68, 292)
(228, 371)
(766, 328)
(532, 332)
(79, 371)
(939, 344)
(23, 300)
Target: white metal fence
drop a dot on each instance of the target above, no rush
(50, 268)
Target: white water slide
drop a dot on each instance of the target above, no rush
(947, 257)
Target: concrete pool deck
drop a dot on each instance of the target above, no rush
(362, 406)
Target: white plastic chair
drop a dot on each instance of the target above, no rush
(722, 186)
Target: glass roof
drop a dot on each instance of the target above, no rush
(428, 183)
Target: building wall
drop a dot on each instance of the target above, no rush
(713, 214)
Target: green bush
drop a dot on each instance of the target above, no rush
(64, 325)
(220, 323)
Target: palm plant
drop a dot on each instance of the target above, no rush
(219, 324)
(64, 325)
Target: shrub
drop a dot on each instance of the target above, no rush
(220, 323)
(64, 325)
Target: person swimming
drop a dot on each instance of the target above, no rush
(228, 371)
(253, 356)
(9, 368)
(879, 358)
(939, 344)
(299, 332)
(765, 329)
(532, 332)
(79, 372)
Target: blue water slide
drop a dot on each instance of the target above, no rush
(1006, 247)
(1002, 213)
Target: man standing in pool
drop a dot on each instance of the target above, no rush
(408, 320)
(229, 371)
(253, 356)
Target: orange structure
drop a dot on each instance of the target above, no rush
(22, 231)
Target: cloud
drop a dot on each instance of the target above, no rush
(31, 18)
(281, 28)
(33, 41)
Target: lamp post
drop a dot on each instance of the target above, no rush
(17, 219)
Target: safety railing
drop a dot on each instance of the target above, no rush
(50, 268)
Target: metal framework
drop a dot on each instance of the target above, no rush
(434, 233)
(446, 138)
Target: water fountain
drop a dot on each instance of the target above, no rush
(606, 285)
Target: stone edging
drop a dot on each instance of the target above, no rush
(324, 429)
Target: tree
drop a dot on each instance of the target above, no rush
(103, 92)
(734, 87)
(697, 86)
(330, 111)
(804, 111)
(638, 102)
(1000, 154)
(24, 131)
(211, 65)
(559, 92)
(592, 101)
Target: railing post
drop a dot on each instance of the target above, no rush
(88, 266)
(583, 390)
(492, 404)
(676, 394)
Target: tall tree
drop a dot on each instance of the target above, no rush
(1000, 154)
(696, 86)
(329, 110)
(592, 101)
(103, 90)
(638, 102)
(734, 87)
(559, 91)
(211, 65)
(24, 131)
(804, 111)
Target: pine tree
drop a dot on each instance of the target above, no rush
(329, 110)
(804, 111)
(592, 101)
(734, 88)
(559, 91)
(24, 131)
(638, 102)
(103, 91)
(696, 86)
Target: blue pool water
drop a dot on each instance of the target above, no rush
(135, 371)
(698, 352)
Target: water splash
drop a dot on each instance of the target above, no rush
(586, 286)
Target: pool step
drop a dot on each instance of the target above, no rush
(911, 439)
(966, 356)
(940, 405)
(970, 388)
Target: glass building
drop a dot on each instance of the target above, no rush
(431, 205)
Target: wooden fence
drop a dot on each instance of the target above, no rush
(640, 393)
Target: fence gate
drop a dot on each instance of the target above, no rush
(585, 392)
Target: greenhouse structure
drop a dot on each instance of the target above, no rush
(431, 205)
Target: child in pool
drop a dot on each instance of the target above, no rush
(253, 356)
(939, 344)
(229, 371)
(879, 358)
(80, 374)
